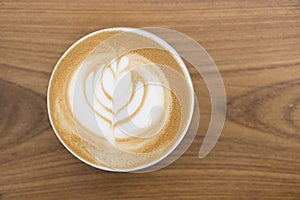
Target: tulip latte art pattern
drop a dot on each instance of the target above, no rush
(129, 99)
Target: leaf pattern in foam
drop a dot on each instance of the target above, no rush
(115, 90)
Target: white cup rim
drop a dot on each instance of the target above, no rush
(164, 44)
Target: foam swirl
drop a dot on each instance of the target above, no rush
(128, 97)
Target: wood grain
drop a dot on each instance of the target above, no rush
(256, 45)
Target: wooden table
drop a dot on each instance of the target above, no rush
(256, 45)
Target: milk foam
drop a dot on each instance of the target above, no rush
(128, 97)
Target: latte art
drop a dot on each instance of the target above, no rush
(129, 98)
(120, 100)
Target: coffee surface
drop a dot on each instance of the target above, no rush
(119, 100)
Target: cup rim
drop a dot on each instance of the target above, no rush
(176, 56)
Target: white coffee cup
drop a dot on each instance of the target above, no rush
(166, 46)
